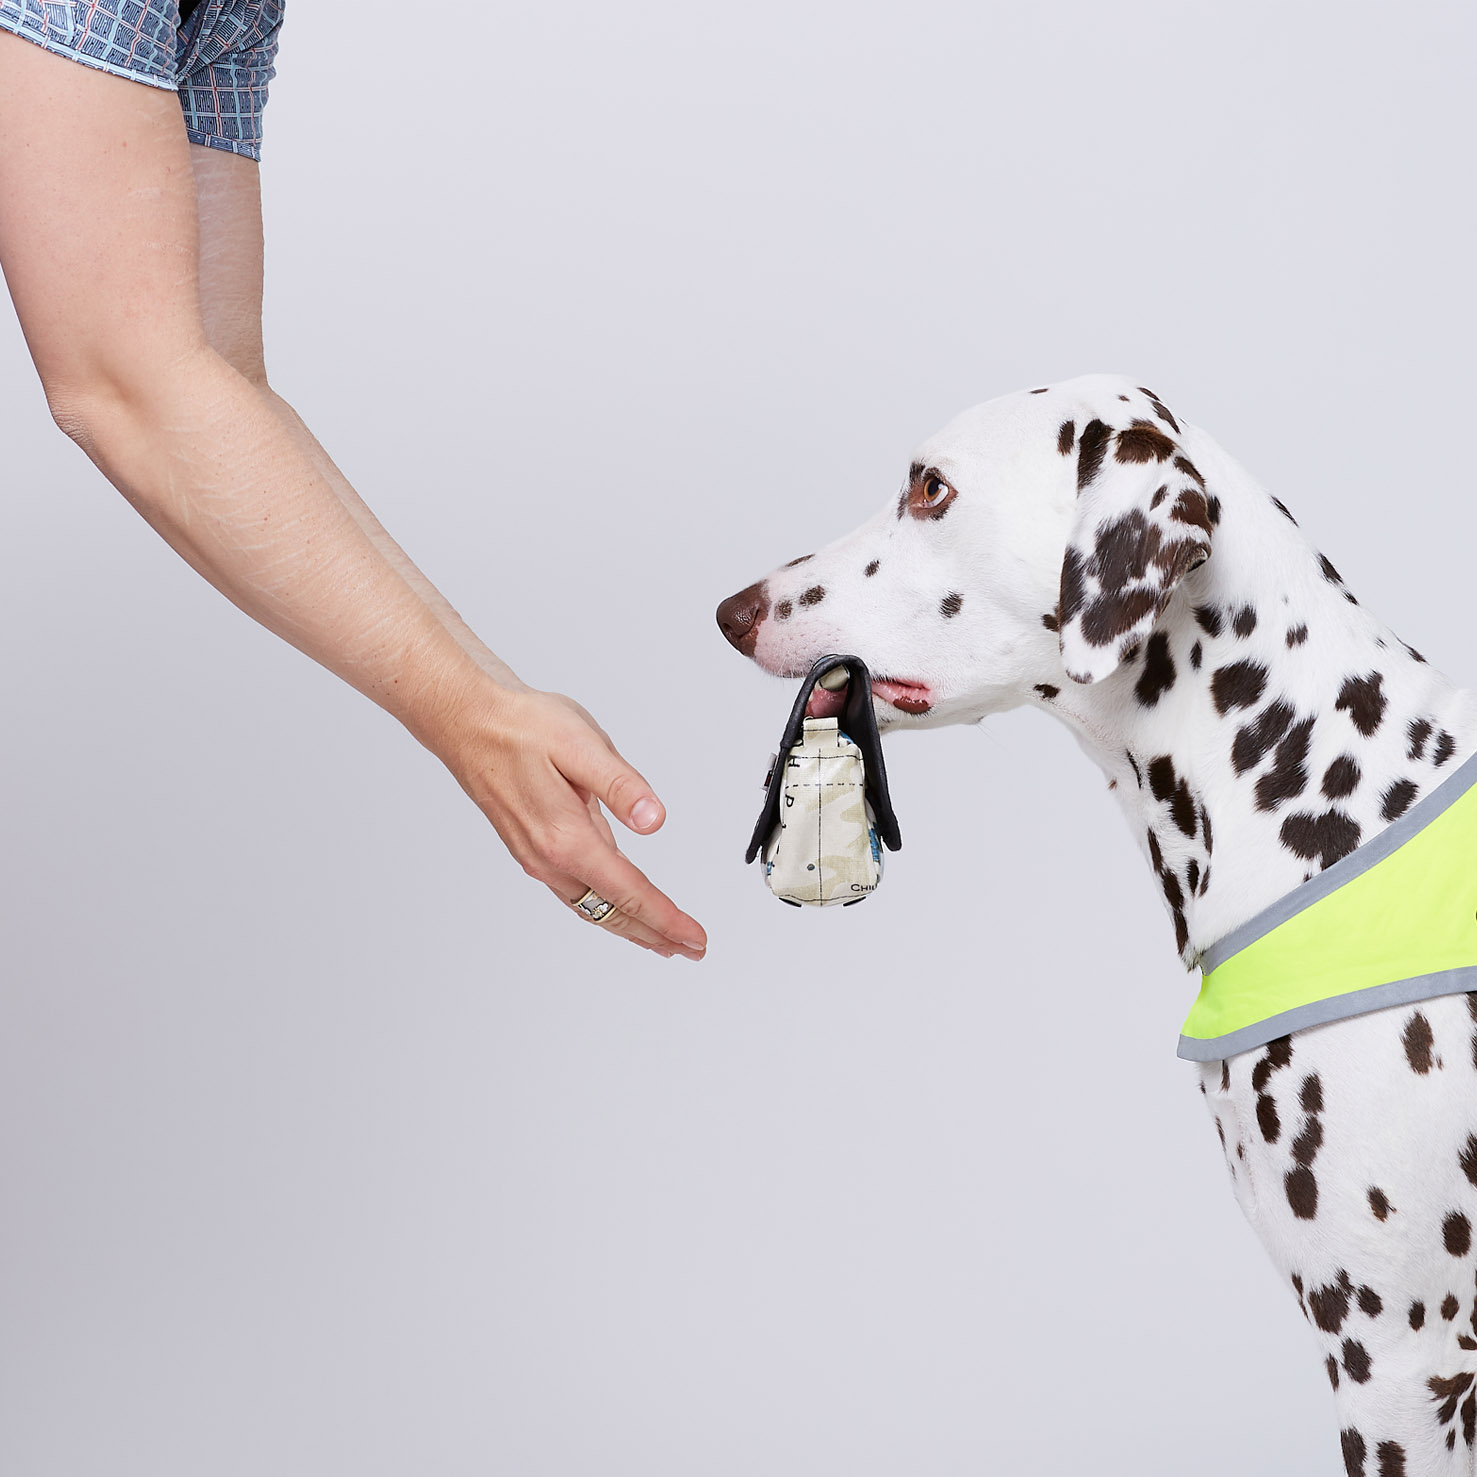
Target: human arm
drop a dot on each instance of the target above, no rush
(99, 241)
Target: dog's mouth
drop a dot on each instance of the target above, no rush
(906, 697)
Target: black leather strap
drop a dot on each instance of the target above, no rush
(858, 721)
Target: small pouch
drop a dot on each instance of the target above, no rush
(827, 812)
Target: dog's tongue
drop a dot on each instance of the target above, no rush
(825, 704)
(906, 697)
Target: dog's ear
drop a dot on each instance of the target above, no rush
(1143, 521)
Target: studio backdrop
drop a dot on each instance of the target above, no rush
(328, 1143)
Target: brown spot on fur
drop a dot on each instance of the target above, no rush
(1396, 800)
(1468, 1160)
(1324, 838)
(1091, 447)
(1418, 1041)
(1456, 1231)
(1255, 740)
(1237, 686)
(1143, 441)
(814, 595)
(1114, 613)
(1185, 465)
(1341, 777)
(1287, 777)
(1306, 1145)
(1190, 507)
(1302, 1192)
(1169, 788)
(1066, 437)
(1364, 701)
(1158, 675)
(1161, 410)
(1356, 1361)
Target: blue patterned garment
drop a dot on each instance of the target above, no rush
(220, 58)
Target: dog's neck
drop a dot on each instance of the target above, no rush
(1269, 726)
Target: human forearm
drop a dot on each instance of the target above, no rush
(209, 462)
(397, 558)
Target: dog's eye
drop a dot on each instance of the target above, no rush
(935, 490)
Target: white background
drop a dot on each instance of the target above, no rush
(327, 1143)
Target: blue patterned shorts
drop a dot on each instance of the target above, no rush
(220, 57)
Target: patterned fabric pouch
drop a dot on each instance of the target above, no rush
(827, 813)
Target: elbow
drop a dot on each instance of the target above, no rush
(75, 414)
(93, 412)
(108, 415)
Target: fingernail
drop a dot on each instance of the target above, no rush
(645, 813)
(688, 944)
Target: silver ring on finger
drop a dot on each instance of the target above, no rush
(592, 906)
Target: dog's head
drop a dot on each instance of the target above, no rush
(1035, 538)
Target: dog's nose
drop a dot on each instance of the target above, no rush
(740, 615)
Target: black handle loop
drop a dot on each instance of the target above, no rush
(858, 721)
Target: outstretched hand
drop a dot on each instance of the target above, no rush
(540, 768)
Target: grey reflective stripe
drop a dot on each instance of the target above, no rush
(1335, 1008)
(1346, 869)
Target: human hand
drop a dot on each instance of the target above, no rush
(540, 767)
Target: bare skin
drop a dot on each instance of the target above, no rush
(135, 264)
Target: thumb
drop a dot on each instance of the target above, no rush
(621, 789)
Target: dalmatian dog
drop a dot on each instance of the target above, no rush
(1084, 550)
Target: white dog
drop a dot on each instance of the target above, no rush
(1082, 549)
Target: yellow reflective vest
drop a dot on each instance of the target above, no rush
(1393, 922)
